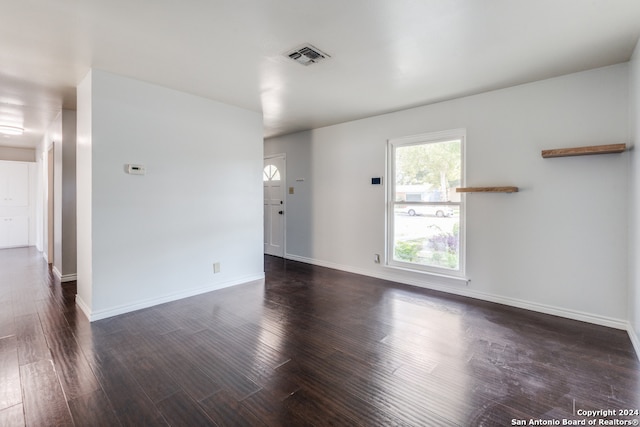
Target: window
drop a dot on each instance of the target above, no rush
(425, 229)
(270, 173)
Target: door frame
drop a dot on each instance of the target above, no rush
(50, 204)
(283, 174)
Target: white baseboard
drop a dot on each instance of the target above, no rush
(64, 277)
(69, 277)
(126, 308)
(83, 306)
(635, 340)
(466, 292)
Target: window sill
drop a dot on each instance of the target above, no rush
(447, 277)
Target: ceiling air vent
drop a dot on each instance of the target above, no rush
(307, 55)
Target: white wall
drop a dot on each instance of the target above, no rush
(67, 189)
(57, 198)
(634, 197)
(38, 206)
(154, 238)
(64, 259)
(84, 200)
(51, 138)
(557, 246)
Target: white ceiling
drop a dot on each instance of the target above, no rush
(386, 54)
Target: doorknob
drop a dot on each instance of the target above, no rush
(281, 212)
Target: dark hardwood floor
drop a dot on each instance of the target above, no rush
(312, 347)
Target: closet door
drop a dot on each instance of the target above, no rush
(14, 184)
(14, 231)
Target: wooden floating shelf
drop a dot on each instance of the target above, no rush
(584, 151)
(487, 190)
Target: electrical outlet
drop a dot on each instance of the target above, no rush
(376, 258)
(216, 267)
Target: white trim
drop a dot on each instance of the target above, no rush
(126, 308)
(63, 277)
(635, 340)
(83, 307)
(429, 274)
(14, 246)
(430, 136)
(69, 277)
(390, 200)
(466, 292)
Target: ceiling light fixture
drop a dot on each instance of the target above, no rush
(11, 130)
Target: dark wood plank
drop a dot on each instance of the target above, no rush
(8, 343)
(49, 316)
(12, 417)
(242, 352)
(351, 407)
(72, 368)
(10, 386)
(503, 189)
(219, 370)
(93, 409)
(149, 373)
(315, 411)
(32, 345)
(7, 326)
(180, 410)
(226, 411)
(44, 402)
(132, 405)
(280, 384)
(170, 352)
(269, 408)
(583, 151)
(150, 321)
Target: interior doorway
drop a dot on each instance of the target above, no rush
(274, 181)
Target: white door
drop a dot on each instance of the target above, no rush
(14, 232)
(14, 183)
(273, 178)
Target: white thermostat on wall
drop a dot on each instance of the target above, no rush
(136, 169)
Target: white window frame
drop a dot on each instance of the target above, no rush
(432, 137)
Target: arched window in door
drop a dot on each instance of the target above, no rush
(271, 173)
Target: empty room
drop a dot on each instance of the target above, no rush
(299, 213)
